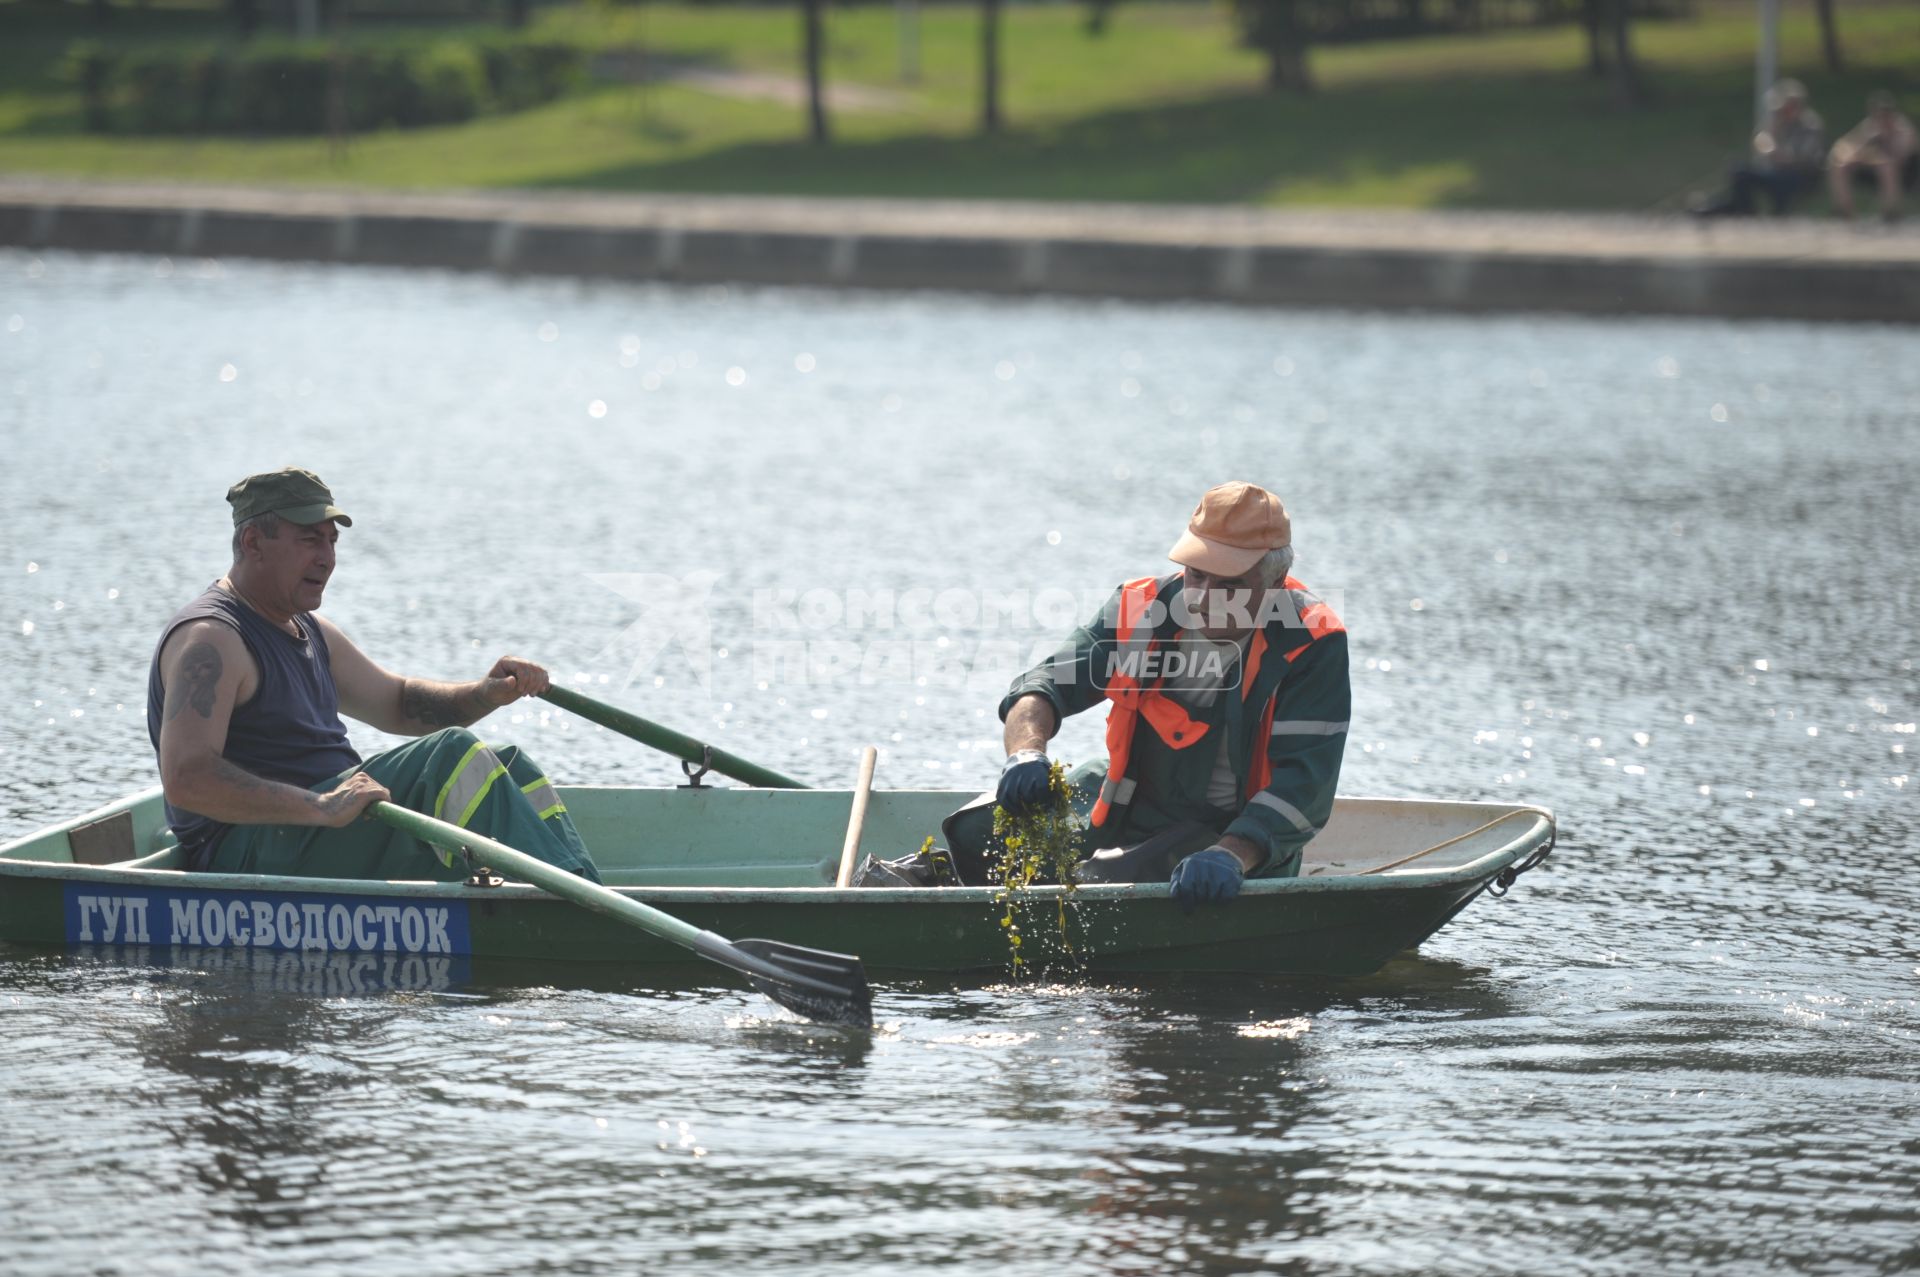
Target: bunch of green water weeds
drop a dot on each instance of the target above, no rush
(1039, 839)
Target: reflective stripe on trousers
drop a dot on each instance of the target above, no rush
(460, 797)
(546, 802)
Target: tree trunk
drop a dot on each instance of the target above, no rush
(102, 12)
(815, 53)
(1829, 34)
(1626, 72)
(1288, 71)
(1277, 28)
(906, 20)
(93, 87)
(246, 17)
(517, 13)
(339, 118)
(1591, 15)
(990, 66)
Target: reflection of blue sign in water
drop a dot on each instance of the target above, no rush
(326, 975)
(112, 914)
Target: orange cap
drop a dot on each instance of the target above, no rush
(1233, 526)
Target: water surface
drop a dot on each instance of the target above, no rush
(1656, 575)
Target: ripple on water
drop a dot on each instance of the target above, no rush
(1680, 1045)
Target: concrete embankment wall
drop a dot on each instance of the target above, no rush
(1447, 262)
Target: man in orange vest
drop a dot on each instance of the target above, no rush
(1228, 704)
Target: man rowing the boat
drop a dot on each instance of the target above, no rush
(244, 699)
(1229, 699)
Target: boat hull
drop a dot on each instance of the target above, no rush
(1336, 920)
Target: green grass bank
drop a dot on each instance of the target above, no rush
(1163, 108)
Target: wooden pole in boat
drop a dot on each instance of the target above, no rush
(862, 790)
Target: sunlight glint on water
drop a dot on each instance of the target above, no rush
(1664, 586)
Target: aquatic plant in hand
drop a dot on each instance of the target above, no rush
(1038, 841)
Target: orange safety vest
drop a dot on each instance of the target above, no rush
(1132, 702)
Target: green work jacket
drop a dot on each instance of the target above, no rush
(1305, 677)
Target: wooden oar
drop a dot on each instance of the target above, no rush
(665, 739)
(862, 791)
(830, 987)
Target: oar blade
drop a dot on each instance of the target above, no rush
(828, 987)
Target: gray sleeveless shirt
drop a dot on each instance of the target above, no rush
(290, 731)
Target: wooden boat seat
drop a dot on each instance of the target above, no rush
(107, 841)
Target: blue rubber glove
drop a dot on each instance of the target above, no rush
(1023, 780)
(1210, 877)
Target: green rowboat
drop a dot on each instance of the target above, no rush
(1385, 875)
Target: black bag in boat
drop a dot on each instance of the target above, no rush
(965, 859)
(962, 862)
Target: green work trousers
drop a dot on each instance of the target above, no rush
(496, 792)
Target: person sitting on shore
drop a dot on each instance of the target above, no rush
(244, 698)
(1785, 159)
(1882, 147)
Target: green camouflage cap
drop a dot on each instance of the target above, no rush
(297, 496)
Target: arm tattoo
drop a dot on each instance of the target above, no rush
(440, 704)
(332, 801)
(200, 669)
(241, 778)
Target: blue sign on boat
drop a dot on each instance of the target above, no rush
(296, 922)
